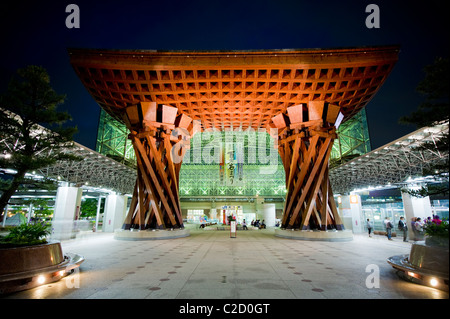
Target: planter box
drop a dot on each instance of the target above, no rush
(27, 267)
(429, 258)
(437, 241)
(27, 258)
(425, 265)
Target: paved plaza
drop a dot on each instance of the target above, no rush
(211, 265)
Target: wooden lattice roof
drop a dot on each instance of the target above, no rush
(234, 89)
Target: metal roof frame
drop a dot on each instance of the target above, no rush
(94, 169)
(396, 163)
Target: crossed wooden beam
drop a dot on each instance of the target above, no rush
(154, 131)
(160, 137)
(305, 139)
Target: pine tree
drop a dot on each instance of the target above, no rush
(436, 89)
(31, 129)
(435, 109)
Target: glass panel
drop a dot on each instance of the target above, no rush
(195, 216)
(232, 164)
(377, 213)
(353, 139)
(112, 140)
(441, 208)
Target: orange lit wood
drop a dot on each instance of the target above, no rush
(157, 204)
(235, 89)
(155, 92)
(309, 201)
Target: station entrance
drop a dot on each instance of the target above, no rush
(299, 97)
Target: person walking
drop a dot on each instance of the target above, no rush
(402, 225)
(369, 227)
(389, 226)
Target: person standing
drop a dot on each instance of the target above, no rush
(369, 227)
(419, 228)
(413, 227)
(402, 225)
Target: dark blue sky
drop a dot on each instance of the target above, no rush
(35, 33)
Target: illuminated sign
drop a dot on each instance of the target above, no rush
(353, 199)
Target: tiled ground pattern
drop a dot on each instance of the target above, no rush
(209, 264)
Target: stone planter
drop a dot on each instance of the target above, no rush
(427, 263)
(28, 258)
(30, 266)
(436, 241)
(429, 258)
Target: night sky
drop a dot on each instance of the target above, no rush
(35, 33)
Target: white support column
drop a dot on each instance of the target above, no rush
(67, 206)
(269, 214)
(115, 212)
(258, 208)
(97, 217)
(6, 215)
(30, 212)
(415, 207)
(351, 211)
(213, 211)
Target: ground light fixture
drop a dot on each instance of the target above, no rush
(435, 277)
(430, 281)
(434, 282)
(46, 278)
(40, 279)
(31, 278)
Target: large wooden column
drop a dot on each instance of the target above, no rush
(154, 132)
(306, 134)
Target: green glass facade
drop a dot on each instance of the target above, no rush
(112, 140)
(232, 164)
(237, 164)
(353, 140)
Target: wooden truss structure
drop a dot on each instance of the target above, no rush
(154, 132)
(155, 93)
(306, 135)
(236, 89)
